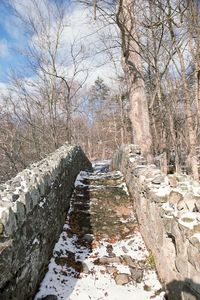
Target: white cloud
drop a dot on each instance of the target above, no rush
(4, 49)
(82, 32)
(95, 37)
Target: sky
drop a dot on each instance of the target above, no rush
(9, 35)
(92, 35)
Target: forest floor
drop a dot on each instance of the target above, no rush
(100, 253)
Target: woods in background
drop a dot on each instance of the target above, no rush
(160, 51)
(155, 103)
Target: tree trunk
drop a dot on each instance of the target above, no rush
(192, 157)
(139, 114)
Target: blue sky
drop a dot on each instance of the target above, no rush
(80, 24)
(11, 39)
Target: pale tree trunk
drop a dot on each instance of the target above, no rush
(139, 114)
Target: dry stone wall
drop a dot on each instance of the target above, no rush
(168, 211)
(33, 207)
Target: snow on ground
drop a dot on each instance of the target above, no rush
(98, 284)
(94, 282)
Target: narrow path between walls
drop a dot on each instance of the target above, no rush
(100, 253)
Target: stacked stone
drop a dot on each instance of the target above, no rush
(33, 207)
(168, 211)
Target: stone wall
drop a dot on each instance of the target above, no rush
(33, 206)
(167, 209)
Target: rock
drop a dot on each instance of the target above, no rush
(111, 254)
(121, 279)
(188, 293)
(61, 261)
(184, 187)
(127, 260)
(111, 269)
(158, 179)
(195, 209)
(167, 222)
(197, 204)
(136, 274)
(109, 249)
(88, 238)
(1, 228)
(175, 197)
(195, 241)
(159, 196)
(108, 260)
(147, 288)
(172, 181)
(85, 268)
(194, 257)
(191, 204)
(181, 266)
(125, 231)
(131, 242)
(188, 203)
(50, 297)
(139, 170)
(124, 249)
(181, 205)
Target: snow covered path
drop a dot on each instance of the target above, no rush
(100, 253)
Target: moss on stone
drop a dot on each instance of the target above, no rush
(150, 260)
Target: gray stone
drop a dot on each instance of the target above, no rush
(175, 197)
(181, 205)
(25, 198)
(121, 279)
(10, 224)
(175, 259)
(157, 199)
(194, 257)
(172, 181)
(24, 259)
(181, 265)
(20, 211)
(15, 197)
(107, 260)
(147, 287)
(88, 237)
(136, 274)
(125, 250)
(5, 204)
(139, 170)
(167, 222)
(158, 179)
(127, 260)
(85, 268)
(195, 242)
